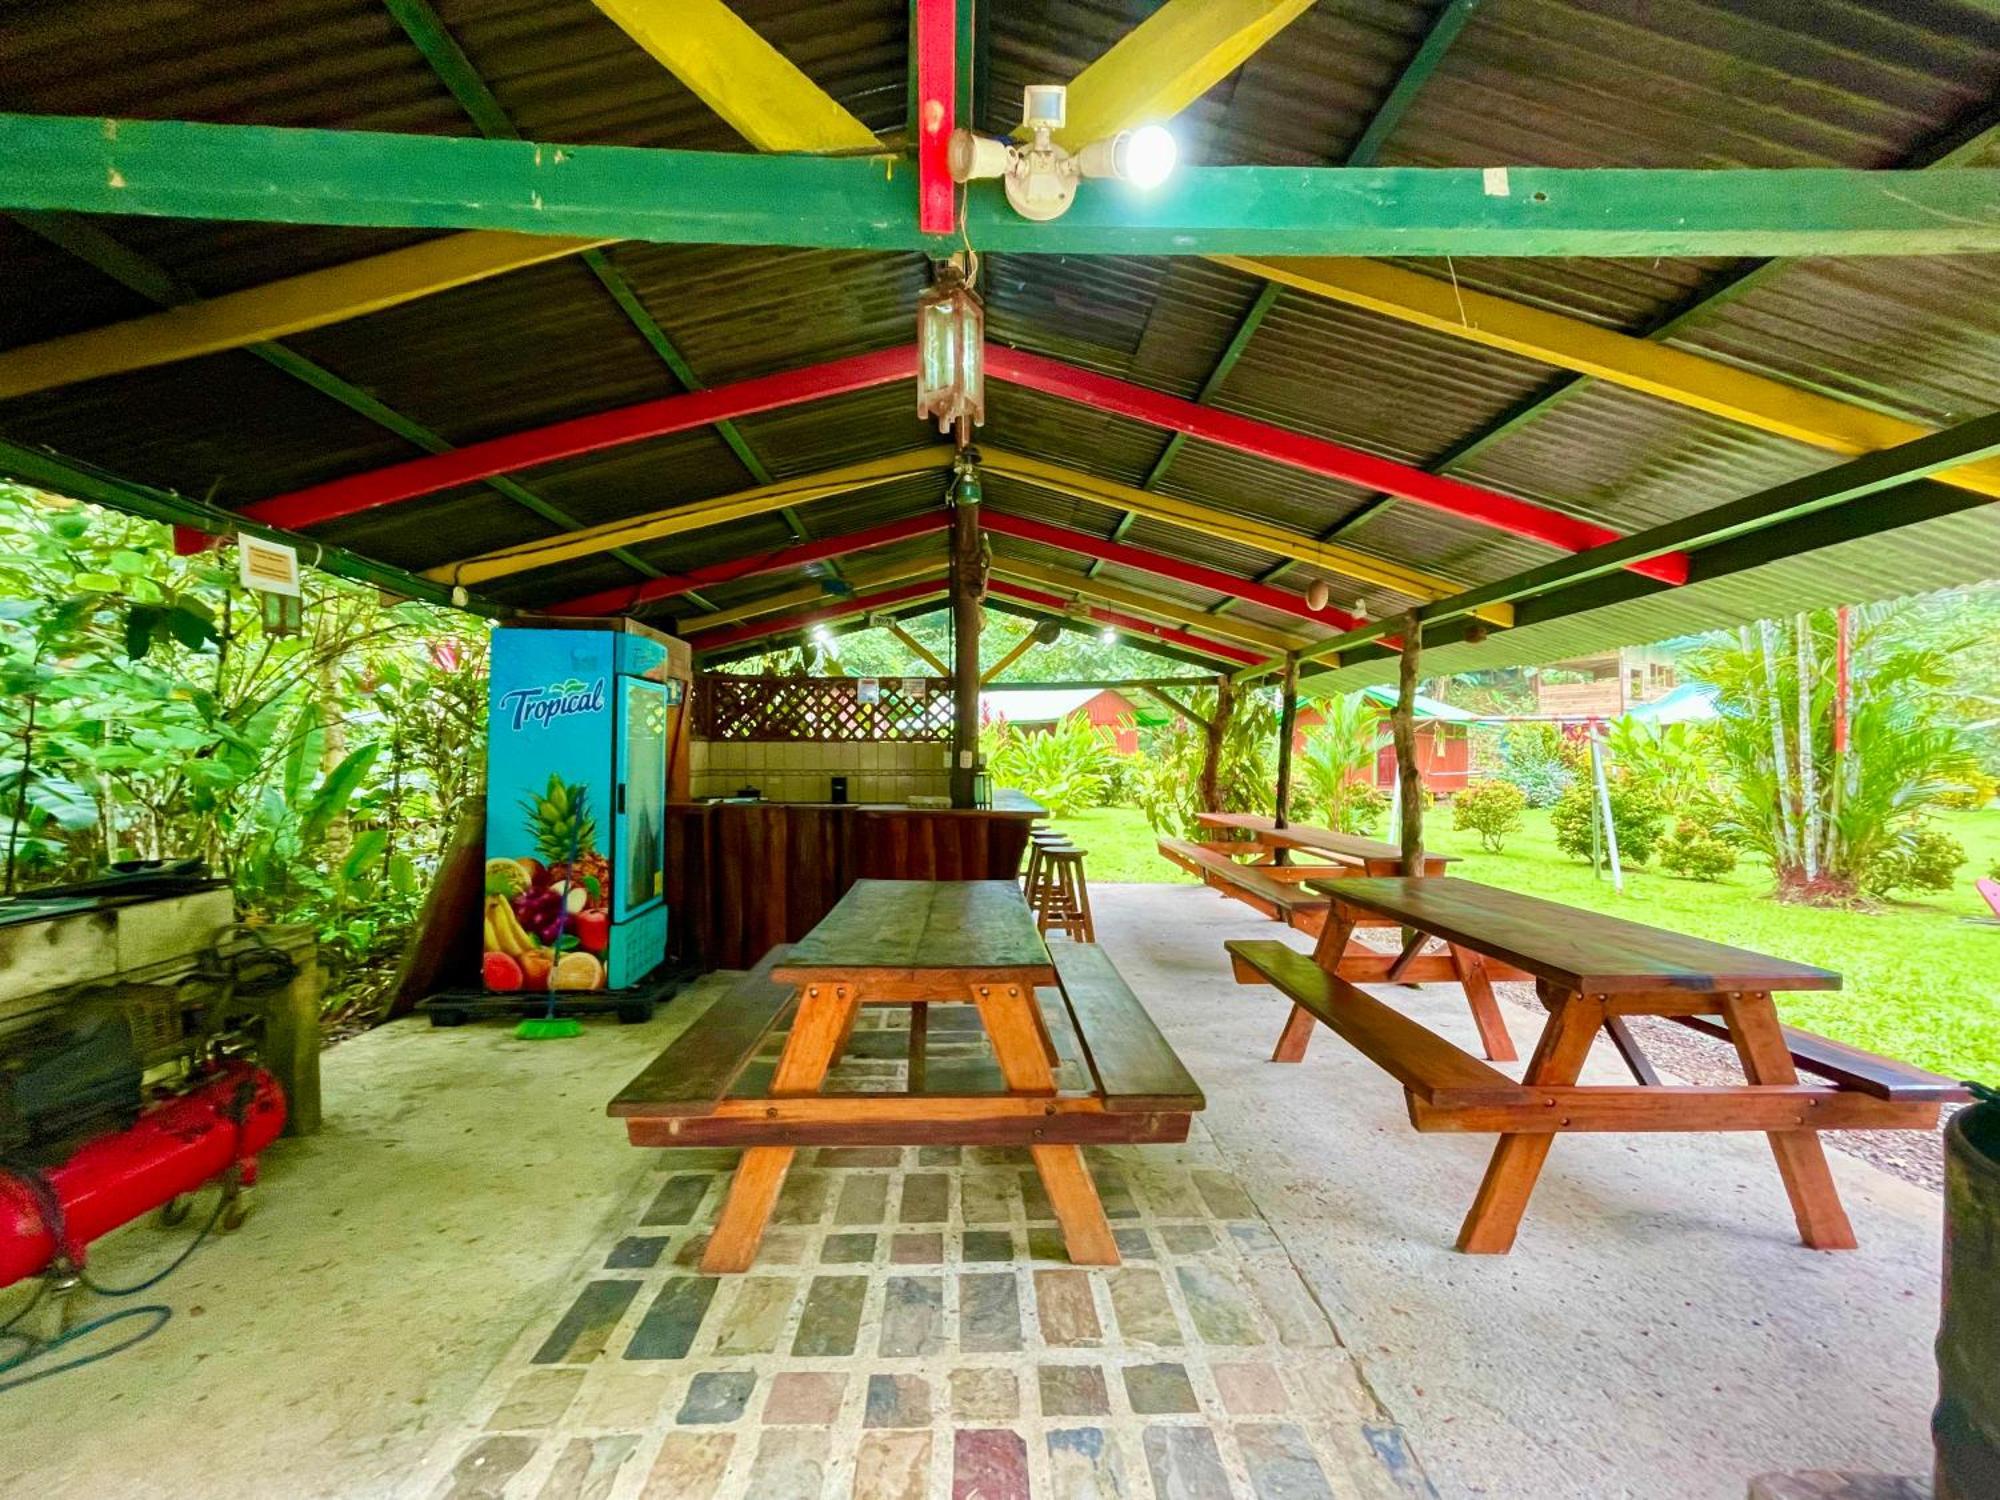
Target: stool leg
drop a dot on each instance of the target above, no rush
(1086, 926)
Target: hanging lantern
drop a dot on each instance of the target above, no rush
(951, 344)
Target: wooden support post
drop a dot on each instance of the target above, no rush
(1288, 719)
(1409, 777)
(967, 585)
(1211, 762)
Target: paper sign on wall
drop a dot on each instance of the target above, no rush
(867, 690)
(916, 687)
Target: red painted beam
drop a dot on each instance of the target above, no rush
(937, 87)
(1084, 544)
(609, 429)
(1056, 604)
(1470, 502)
(630, 596)
(750, 630)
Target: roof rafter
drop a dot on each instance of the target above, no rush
(1118, 620)
(1171, 610)
(627, 600)
(840, 609)
(879, 575)
(1169, 60)
(696, 515)
(1314, 455)
(1122, 554)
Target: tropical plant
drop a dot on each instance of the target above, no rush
(1636, 816)
(1825, 817)
(1491, 809)
(1169, 782)
(1067, 768)
(1676, 762)
(1692, 851)
(1336, 769)
(1539, 760)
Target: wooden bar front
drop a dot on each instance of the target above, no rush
(743, 877)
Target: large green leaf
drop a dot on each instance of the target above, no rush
(332, 795)
(364, 856)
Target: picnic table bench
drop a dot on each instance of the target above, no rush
(1293, 894)
(1591, 971)
(1101, 1073)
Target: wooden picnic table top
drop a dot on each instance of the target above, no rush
(922, 927)
(1569, 947)
(1309, 836)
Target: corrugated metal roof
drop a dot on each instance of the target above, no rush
(1560, 82)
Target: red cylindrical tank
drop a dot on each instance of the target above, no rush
(174, 1148)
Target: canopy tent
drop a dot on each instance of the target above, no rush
(676, 381)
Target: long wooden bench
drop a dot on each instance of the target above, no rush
(1850, 1067)
(1425, 1064)
(1280, 900)
(1135, 1068)
(699, 1067)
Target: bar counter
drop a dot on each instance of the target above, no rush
(742, 876)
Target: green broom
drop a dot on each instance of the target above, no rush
(549, 1026)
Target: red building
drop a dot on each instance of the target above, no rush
(1039, 710)
(1444, 749)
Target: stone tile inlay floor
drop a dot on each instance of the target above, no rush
(913, 1330)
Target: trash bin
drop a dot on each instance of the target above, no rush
(1966, 1425)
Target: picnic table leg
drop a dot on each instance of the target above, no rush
(820, 1028)
(1015, 1027)
(1760, 1043)
(1327, 953)
(1490, 1227)
(1472, 977)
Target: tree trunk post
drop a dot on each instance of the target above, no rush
(1211, 760)
(1403, 725)
(1288, 719)
(966, 587)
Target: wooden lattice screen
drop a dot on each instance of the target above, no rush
(821, 708)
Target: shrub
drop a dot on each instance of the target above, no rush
(1694, 852)
(1540, 761)
(1636, 815)
(1491, 809)
(1066, 769)
(1925, 859)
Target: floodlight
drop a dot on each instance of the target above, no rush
(1041, 176)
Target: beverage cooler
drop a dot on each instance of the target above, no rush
(580, 725)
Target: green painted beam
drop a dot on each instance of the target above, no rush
(59, 476)
(457, 72)
(90, 244)
(1410, 82)
(272, 174)
(1878, 491)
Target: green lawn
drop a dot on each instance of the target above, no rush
(1921, 982)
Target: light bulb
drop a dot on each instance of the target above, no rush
(1109, 636)
(1317, 595)
(1149, 156)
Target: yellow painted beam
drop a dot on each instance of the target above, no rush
(1239, 529)
(278, 308)
(918, 649)
(1139, 601)
(1675, 375)
(655, 525)
(843, 610)
(1169, 60)
(739, 75)
(813, 593)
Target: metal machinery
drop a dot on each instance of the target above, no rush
(162, 1067)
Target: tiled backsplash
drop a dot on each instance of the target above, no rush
(801, 771)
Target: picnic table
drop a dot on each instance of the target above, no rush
(1591, 971)
(1350, 851)
(918, 943)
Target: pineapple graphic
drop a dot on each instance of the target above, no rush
(560, 820)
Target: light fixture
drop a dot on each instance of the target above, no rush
(1317, 595)
(951, 345)
(1108, 636)
(822, 636)
(1041, 177)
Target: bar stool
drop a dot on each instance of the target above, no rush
(1065, 895)
(1039, 839)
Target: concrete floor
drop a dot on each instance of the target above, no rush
(1658, 1332)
